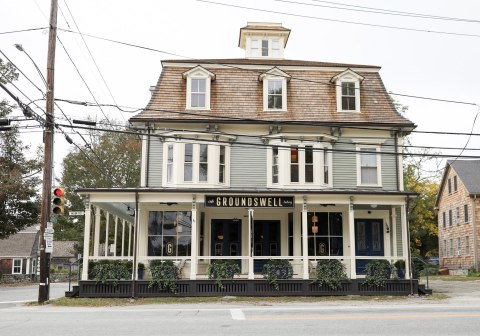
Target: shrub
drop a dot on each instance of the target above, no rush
(164, 275)
(472, 272)
(277, 269)
(330, 272)
(222, 270)
(377, 272)
(111, 270)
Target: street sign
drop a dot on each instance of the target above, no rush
(76, 213)
(48, 236)
(49, 246)
(49, 230)
(50, 225)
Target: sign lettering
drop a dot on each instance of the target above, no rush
(235, 201)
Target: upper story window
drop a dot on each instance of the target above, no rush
(455, 186)
(348, 91)
(274, 90)
(203, 164)
(449, 185)
(368, 166)
(465, 212)
(198, 88)
(266, 47)
(444, 220)
(298, 164)
(450, 217)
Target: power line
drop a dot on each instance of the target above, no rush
(340, 21)
(380, 11)
(22, 30)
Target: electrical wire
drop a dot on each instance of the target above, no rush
(22, 30)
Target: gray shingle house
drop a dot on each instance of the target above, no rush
(260, 158)
(19, 254)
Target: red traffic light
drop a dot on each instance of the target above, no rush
(59, 192)
(58, 201)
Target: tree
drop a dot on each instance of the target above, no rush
(19, 179)
(108, 159)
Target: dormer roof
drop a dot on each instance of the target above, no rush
(198, 70)
(275, 72)
(263, 28)
(347, 72)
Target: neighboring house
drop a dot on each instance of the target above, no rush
(19, 253)
(63, 254)
(260, 158)
(458, 203)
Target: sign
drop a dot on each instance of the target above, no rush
(76, 213)
(235, 201)
(48, 246)
(49, 230)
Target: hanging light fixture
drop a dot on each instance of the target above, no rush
(314, 223)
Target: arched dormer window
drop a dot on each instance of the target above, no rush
(274, 89)
(198, 88)
(348, 91)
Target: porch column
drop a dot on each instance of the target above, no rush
(251, 274)
(351, 228)
(115, 237)
(107, 214)
(405, 242)
(27, 267)
(393, 232)
(129, 238)
(123, 237)
(194, 241)
(86, 239)
(96, 240)
(305, 239)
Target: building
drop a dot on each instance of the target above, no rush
(458, 215)
(19, 255)
(257, 158)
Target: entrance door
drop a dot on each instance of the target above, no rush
(266, 241)
(226, 237)
(368, 241)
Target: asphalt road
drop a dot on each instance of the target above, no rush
(457, 315)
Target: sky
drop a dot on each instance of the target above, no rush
(435, 59)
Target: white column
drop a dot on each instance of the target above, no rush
(107, 214)
(86, 239)
(393, 231)
(27, 267)
(115, 237)
(306, 274)
(123, 237)
(297, 233)
(129, 238)
(96, 240)
(194, 241)
(405, 242)
(351, 229)
(251, 274)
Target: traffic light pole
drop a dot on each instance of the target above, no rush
(44, 281)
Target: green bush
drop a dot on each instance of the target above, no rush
(472, 272)
(164, 275)
(378, 271)
(111, 270)
(222, 270)
(274, 270)
(330, 272)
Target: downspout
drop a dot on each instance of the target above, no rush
(475, 244)
(135, 234)
(147, 168)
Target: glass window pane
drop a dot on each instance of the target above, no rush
(322, 246)
(202, 85)
(203, 172)
(264, 47)
(369, 175)
(336, 246)
(336, 221)
(169, 246)
(277, 102)
(368, 158)
(194, 85)
(184, 246)
(155, 246)
(294, 173)
(309, 173)
(294, 154)
(155, 222)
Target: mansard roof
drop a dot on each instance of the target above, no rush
(236, 94)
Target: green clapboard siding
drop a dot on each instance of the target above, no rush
(248, 164)
(389, 180)
(344, 165)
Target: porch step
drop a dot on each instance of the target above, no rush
(422, 290)
(73, 293)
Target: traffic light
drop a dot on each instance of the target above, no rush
(58, 200)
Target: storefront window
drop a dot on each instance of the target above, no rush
(325, 234)
(169, 233)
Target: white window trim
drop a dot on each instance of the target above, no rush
(275, 74)
(351, 77)
(13, 265)
(284, 165)
(178, 165)
(359, 163)
(198, 72)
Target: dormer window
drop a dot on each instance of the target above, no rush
(263, 40)
(198, 88)
(348, 91)
(274, 90)
(264, 48)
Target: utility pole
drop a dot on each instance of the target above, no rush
(49, 130)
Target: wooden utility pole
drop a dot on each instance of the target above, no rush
(49, 130)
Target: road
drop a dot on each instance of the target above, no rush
(457, 315)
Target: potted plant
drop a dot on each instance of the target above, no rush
(164, 275)
(140, 270)
(222, 270)
(378, 271)
(400, 267)
(274, 270)
(330, 272)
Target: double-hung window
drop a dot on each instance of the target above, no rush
(308, 164)
(444, 220)
(450, 217)
(275, 95)
(169, 163)
(369, 166)
(221, 165)
(198, 88)
(188, 163)
(198, 92)
(465, 212)
(274, 164)
(274, 89)
(294, 164)
(17, 266)
(455, 184)
(203, 163)
(348, 96)
(348, 90)
(449, 185)
(467, 245)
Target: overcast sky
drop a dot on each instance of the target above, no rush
(432, 58)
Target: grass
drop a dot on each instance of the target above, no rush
(451, 278)
(436, 296)
(111, 302)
